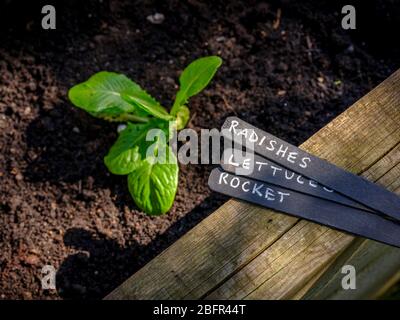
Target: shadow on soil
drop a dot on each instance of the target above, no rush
(102, 264)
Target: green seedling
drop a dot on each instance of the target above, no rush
(113, 97)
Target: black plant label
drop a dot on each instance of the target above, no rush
(326, 212)
(315, 169)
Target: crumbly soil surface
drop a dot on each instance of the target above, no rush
(289, 68)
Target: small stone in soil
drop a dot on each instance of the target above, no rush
(27, 295)
(31, 259)
(27, 111)
(156, 18)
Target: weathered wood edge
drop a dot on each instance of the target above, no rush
(228, 240)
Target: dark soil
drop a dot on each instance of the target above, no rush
(60, 206)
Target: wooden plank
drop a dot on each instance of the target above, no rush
(377, 266)
(275, 273)
(280, 279)
(310, 284)
(217, 258)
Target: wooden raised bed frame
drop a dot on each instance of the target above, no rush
(243, 251)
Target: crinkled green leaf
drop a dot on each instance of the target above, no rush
(195, 78)
(145, 102)
(131, 146)
(100, 95)
(126, 154)
(153, 185)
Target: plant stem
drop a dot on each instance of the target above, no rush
(133, 118)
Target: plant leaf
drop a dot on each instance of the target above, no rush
(127, 152)
(195, 78)
(100, 95)
(182, 117)
(146, 102)
(153, 185)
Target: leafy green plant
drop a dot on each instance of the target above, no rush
(113, 97)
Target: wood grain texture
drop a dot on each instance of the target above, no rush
(377, 265)
(377, 268)
(243, 251)
(285, 282)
